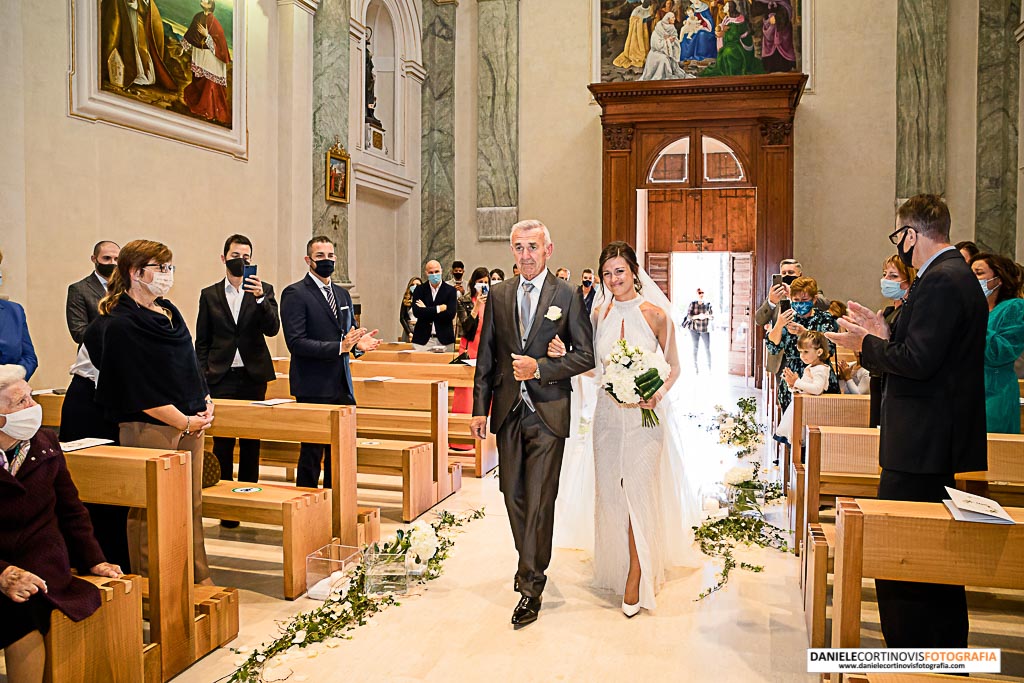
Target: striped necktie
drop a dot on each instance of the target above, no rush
(525, 318)
(331, 301)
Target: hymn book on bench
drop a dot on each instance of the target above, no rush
(967, 507)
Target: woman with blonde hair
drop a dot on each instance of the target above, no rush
(406, 313)
(150, 382)
(897, 278)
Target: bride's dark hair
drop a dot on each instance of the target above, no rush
(623, 250)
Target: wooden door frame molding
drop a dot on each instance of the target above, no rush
(635, 116)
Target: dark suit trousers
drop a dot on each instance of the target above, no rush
(311, 455)
(920, 614)
(81, 417)
(530, 461)
(238, 384)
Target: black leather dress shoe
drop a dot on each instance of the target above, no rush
(526, 611)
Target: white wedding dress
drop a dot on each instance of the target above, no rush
(618, 472)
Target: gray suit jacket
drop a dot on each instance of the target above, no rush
(495, 389)
(83, 305)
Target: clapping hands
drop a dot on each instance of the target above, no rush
(858, 323)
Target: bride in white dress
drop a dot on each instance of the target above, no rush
(644, 506)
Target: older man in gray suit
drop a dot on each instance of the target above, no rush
(527, 396)
(84, 296)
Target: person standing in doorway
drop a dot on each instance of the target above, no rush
(698, 321)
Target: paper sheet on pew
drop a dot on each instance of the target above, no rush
(378, 378)
(273, 402)
(79, 444)
(967, 507)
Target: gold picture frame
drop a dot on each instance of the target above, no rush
(338, 174)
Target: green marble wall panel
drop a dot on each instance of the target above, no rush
(330, 119)
(921, 96)
(437, 227)
(998, 84)
(497, 118)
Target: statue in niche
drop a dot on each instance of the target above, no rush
(371, 80)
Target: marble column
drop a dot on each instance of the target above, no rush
(998, 75)
(294, 134)
(497, 118)
(921, 96)
(330, 120)
(437, 225)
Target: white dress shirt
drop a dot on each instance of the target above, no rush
(235, 304)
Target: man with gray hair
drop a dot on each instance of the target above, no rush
(527, 395)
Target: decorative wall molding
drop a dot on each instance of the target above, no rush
(377, 178)
(310, 6)
(414, 70)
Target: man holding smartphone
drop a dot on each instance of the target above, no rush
(236, 315)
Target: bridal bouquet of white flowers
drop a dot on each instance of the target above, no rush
(632, 375)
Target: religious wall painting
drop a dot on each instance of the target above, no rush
(676, 39)
(174, 68)
(338, 180)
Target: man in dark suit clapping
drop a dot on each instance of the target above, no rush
(236, 316)
(436, 304)
(319, 329)
(84, 296)
(933, 404)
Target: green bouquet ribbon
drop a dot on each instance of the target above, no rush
(647, 385)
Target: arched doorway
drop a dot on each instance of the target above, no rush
(690, 148)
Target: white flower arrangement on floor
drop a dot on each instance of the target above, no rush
(349, 605)
(632, 374)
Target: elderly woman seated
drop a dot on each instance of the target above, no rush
(44, 531)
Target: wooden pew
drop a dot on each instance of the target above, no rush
(911, 678)
(161, 483)
(1020, 386)
(456, 375)
(827, 410)
(902, 541)
(308, 422)
(380, 356)
(482, 459)
(304, 514)
(843, 462)
(105, 647)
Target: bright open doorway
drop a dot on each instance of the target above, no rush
(724, 278)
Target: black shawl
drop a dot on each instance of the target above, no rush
(148, 361)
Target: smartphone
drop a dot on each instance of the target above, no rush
(776, 279)
(482, 288)
(784, 305)
(247, 272)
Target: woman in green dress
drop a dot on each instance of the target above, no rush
(1000, 280)
(735, 46)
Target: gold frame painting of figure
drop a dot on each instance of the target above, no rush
(338, 180)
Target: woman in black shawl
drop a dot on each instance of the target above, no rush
(150, 382)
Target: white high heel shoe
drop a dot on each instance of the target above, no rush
(631, 610)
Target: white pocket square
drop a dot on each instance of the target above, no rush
(343, 308)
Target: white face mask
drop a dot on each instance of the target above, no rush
(161, 284)
(23, 424)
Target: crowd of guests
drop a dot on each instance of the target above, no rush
(796, 308)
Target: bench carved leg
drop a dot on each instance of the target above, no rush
(815, 584)
(418, 486)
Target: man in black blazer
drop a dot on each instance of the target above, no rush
(436, 304)
(933, 404)
(235, 318)
(84, 296)
(527, 396)
(319, 329)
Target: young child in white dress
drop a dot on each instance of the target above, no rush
(815, 352)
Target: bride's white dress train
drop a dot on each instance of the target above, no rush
(620, 473)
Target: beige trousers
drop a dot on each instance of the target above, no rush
(144, 435)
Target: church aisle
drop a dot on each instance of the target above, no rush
(458, 628)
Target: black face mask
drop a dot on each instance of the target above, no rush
(323, 267)
(906, 256)
(106, 269)
(235, 266)
(588, 284)
(789, 279)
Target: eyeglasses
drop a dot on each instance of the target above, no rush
(164, 267)
(895, 236)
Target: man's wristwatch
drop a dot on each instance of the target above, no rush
(536, 373)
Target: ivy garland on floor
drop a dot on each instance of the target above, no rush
(345, 611)
(744, 523)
